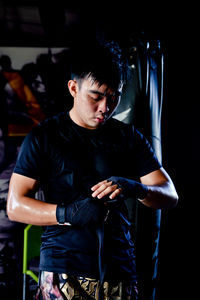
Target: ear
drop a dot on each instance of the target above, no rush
(73, 87)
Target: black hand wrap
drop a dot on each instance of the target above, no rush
(130, 188)
(81, 213)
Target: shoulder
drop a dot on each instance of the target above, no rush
(119, 125)
(53, 122)
(38, 136)
(127, 129)
(48, 127)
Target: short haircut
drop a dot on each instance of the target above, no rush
(103, 62)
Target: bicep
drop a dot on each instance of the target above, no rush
(22, 205)
(21, 186)
(157, 177)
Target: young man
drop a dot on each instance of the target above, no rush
(87, 164)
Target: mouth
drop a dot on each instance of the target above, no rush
(100, 119)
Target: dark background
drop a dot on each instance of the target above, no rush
(176, 28)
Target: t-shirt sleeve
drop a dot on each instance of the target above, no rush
(145, 157)
(30, 160)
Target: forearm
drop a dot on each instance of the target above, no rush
(161, 196)
(31, 211)
(155, 190)
(161, 190)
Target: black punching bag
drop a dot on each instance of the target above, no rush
(142, 106)
(148, 219)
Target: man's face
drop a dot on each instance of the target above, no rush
(93, 104)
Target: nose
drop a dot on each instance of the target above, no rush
(103, 106)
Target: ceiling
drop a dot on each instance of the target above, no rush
(41, 23)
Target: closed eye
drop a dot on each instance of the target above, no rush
(96, 98)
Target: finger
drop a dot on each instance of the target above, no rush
(96, 186)
(106, 191)
(116, 193)
(101, 188)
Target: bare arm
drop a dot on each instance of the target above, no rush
(22, 207)
(161, 190)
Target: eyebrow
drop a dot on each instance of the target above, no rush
(103, 94)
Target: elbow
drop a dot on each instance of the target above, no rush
(11, 213)
(11, 209)
(176, 200)
(173, 200)
(11, 216)
(172, 195)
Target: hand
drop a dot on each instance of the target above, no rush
(107, 189)
(130, 188)
(81, 213)
(117, 187)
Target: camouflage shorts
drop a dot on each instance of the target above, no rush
(66, 287)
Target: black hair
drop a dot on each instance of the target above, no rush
(102, 61)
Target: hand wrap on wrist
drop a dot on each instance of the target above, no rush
(81, 213)
(60, 214)
(130, 188)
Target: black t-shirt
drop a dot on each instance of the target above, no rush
(68, 160)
